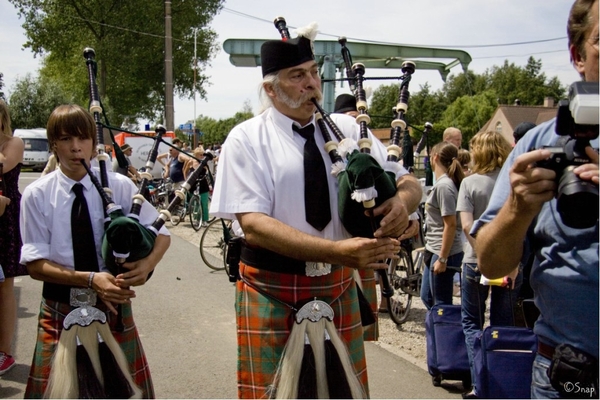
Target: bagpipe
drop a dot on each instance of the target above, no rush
(89, 362)
(363, 183)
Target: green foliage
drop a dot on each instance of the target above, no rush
(470, 113)
(215, 132)
(2, 86)
(128, 38)
(463, 84)
(384, 99)
(527, 83)
(32, 100)
(467, 100)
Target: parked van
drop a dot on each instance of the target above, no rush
(36, 147)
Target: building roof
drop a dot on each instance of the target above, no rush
(517, 114)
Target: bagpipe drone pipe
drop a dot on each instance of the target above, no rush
(364, 183)
(125, 238)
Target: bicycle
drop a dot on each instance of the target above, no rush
(405, 275)
(213, 244)
(195, 209)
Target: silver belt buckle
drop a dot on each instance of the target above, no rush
(81, 297)
(317, 268)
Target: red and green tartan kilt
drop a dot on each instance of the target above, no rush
(369, 289)
(264, 324)
(52, 315)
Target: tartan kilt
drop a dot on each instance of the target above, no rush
(264, 324)
(369, 289)
(50, 325)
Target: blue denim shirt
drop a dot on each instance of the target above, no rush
(564, 275)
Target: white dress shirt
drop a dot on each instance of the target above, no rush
(261, 169)
(46, 215)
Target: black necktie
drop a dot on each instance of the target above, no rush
(316, 189)
(84, 247)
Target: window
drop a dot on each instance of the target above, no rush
(36, 144)
(498, 127)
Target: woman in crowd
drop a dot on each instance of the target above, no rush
(11, 156)
(489, 150)
(204, 187)
(444, 243)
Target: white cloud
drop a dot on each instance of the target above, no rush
(417, 22)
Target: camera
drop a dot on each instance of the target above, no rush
(576, 125)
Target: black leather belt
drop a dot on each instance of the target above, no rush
(545, 350)
(57, 292)
(270, 261)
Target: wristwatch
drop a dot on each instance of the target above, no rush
(443, 260)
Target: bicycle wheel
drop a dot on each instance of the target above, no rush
(211, 218)
(178, 215)
(225, 250)
(212, 246)
(195, 212)
(162, 202)
(398, 272)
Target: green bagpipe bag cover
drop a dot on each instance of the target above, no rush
(125, 235)
(362, 172)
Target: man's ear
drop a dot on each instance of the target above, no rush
(577, 59)
(269, 90)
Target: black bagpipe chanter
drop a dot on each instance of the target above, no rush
(125, 238)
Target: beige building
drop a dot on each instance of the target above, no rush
(506, 118)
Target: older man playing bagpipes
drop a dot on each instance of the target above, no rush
(298, 319)
(87, 343)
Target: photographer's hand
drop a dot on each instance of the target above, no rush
(531, 186)
(589, 171)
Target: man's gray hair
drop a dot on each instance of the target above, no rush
(269, 79)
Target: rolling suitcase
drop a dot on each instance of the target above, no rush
(503, 359)
(446, 348)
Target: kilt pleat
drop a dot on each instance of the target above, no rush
(264, 324)
(50, 325)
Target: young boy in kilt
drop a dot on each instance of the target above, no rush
(49, 254)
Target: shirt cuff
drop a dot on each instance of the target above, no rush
(34, 251)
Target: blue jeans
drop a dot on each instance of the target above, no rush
(473, 298)
(443, 282)
(541, 388)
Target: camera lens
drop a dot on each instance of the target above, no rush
(577, 200)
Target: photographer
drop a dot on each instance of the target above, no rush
(522, 214)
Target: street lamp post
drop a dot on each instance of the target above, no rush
(194, 138)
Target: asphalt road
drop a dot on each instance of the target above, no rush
(185, 316)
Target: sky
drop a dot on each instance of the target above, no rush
(491, 31)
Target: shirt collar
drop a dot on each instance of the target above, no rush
(67, 183)
(284, 123)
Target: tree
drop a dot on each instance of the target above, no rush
(217, 131)
(33, 100)
(128, 37)
(2, 86)
(470, 113)
(465, 83)
(527, 84)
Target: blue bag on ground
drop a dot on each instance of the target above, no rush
(503, 359)
(446, 349)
